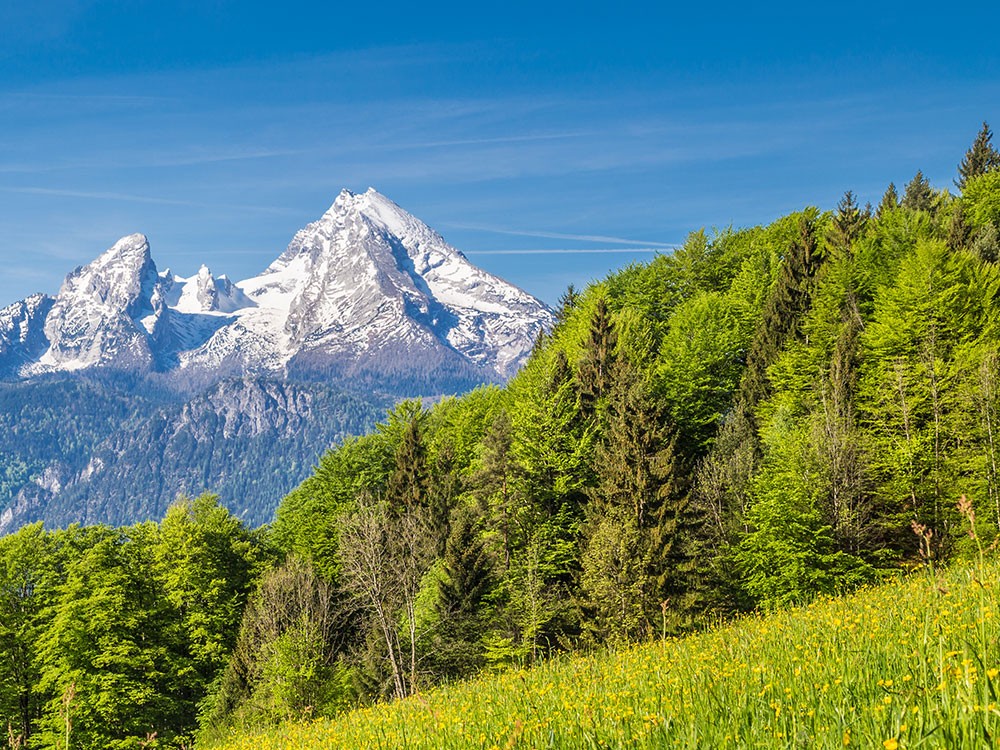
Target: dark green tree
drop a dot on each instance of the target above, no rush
(918, 195)
(959, 231)
(783, 311)
(493, 484)
(567, 303)
(848, 222)
(408, 483)
(889, 202)
(981, 158)
(597, 365)
(461, 608)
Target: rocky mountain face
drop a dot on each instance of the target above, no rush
(132, 385)
(368, 290)
(124, 457)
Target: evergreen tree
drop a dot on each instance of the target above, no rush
(959, 231)
(627, 461)
(468, 577)
(848, 222)
(567, 303)
(889, 202)
(986, 243)
(443, 489)
(981, 158)
(638, 535)
(597, 365)
(493, 483)
(783, 311)
(918, 195)
(408, 484)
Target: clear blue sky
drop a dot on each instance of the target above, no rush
(218, 128)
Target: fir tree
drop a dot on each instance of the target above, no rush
(466, 581)
(849, 221)
(890, 201)
(493, 483)
(981, 158)
(408, 482)
(783, 311)
(444, 487)
(986, 243)
(918, 195)
(959, 231)
(598, 360)
(567, 302)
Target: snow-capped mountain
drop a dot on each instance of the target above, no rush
(367, 288)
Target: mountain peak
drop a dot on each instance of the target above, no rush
(106, 310)
(132, 248)
(367, 288)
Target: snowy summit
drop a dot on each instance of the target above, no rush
(368, 288)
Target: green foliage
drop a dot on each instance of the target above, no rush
(918, 195)
(890, 667)
(759, 418)
(982, 200)
(981, 158)
(285, 661)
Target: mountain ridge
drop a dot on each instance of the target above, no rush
(364, 283)
(133, 384)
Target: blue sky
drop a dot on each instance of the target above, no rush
(551, 142)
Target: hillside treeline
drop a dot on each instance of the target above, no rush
(764, 415)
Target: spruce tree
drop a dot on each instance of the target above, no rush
(462, 613)
(493, 483)
(918, 195)
(444, 487)
(981, 158)
(598, 360)
(567, 302)
(890, 201)
(848, 222)
(959, 231)
(783, 311)
(408, 483)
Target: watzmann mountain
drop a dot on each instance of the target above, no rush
(133, 385)
(366, 290)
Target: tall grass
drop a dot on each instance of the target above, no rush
(915, 663)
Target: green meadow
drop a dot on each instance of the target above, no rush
(911, 663)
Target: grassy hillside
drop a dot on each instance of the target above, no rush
(913, 663)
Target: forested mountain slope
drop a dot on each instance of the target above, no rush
(765, 415)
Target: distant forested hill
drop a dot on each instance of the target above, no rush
(101, 448)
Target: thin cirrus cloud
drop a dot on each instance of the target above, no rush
(562, 236)
(132, 198)
(147, 161)
(574, 251)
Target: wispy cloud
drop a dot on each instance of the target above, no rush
(147, 161)
(488, 141)
(133, 198)
(562, 236)
(572, 251)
